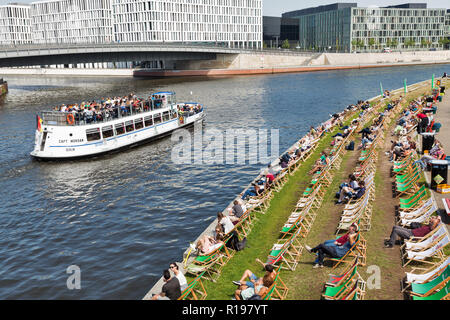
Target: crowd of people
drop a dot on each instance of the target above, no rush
(107, 109)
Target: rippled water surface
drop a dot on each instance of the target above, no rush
(122, 218)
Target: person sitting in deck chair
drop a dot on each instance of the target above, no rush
(260, 289)
(226, 222)
(320, 163)
(334, 248)
(348, 193)
(208, 244)
(171, 289)
(252, 193)
(236, 210)
(405, 233)
(179, 275)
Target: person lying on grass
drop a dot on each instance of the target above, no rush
(260, 289)
(334, 248)
(252, 278)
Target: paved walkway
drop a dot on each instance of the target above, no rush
(443, 116)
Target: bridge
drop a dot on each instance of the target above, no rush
(53, 54)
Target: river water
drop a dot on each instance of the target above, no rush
(123, 218)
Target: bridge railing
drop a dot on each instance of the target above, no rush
(6, 50)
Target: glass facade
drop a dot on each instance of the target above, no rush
(397, 28)
(345, 27)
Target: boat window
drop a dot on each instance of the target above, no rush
(138, 124)
(93, 134)
(157, 118)
(173, 114)
(120, 128)
(107, 132)
(166, 116)
(148, 121)
(129, 126)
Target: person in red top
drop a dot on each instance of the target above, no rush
(334, 248)
(405, 233)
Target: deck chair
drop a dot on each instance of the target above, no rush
(421, 217)
(339, 292)
(335, 281)
(428, 288)
(278, 290)
(435, 250)
(443, 294)
(418, 198)
(420, 243)
(210, 270)
(195, 289)
(424, 275)
(358, 291)
(358, 249)
(417, 210)
(286, 251)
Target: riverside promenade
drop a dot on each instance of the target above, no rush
(443, 116)
(302, 281)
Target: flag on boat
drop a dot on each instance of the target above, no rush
(406, 87)
(381, 89)
(39, 122)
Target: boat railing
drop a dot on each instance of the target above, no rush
(59, 118)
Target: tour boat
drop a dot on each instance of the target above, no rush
(69, 135)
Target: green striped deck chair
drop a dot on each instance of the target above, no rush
(334, 281)
(443, 294)
(210, 271)
(415, 199)
(404, 177)
(195, 289)
(428, 288)
(286, 251)
(336, 293)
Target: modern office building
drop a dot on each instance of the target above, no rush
(72, 21)
(345, 27)
(236, 23)
(276, 30)
(15, 24)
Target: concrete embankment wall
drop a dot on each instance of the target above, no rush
(384, 58)
(67, 72)
(257, 63)
(266, 63)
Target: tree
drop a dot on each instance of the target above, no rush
(371, 43)
(285, 44)
(423, 43)
(355, 44)
(264, 45)
(394, 43)
(444, 42)
(388, 42)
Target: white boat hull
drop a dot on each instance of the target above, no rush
(70, 142)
